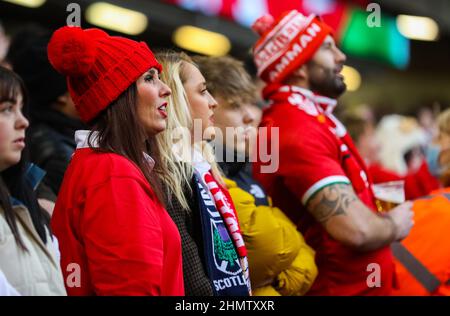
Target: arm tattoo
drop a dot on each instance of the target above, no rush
(331, 201)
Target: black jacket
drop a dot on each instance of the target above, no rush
(51, 143)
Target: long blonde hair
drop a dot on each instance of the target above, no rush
(174, 147)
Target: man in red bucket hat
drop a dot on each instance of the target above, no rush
(322, 182)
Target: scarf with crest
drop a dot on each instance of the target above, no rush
(224, 248)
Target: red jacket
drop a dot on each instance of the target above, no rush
(110, 224)
(315, 151)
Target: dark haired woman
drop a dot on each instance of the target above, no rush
(116, 237)
(28, 253)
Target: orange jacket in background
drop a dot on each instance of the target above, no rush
(428, 242)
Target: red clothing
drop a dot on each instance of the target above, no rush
(315, 151)
(417, 184)
(108, 221)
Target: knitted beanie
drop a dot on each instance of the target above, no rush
(286, 43)
(98, 67)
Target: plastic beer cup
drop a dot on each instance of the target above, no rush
(389, 195)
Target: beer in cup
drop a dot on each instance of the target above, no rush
(389, 195)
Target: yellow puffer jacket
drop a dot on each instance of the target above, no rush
(280, 261)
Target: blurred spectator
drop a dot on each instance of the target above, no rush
(255, 108)
(28, 252)
(361, 127)
(427, 120)
(423, 258)
(399, 135)
(418, 180)
(259, 84)
(281, 263)
(4, 44)
(54, 118)
(256, 113)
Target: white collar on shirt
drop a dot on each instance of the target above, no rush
(82, 137)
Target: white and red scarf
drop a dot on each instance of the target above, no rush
(223, 203)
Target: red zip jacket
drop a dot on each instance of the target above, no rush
(316, 151)
(115, 237)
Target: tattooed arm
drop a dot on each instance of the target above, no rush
(349, 221)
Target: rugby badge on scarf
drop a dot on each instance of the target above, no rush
(223, 263)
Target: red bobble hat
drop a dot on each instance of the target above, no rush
(98, 67)
(286, 43)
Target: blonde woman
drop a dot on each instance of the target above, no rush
(214, 253)
(281, 263)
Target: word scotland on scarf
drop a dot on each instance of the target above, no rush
(224, 248)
